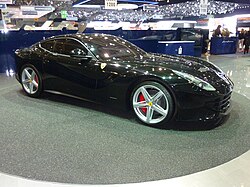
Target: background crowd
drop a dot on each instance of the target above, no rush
(244, 40)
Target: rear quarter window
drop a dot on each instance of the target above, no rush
(48, 45)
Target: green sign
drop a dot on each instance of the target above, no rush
(64, 14)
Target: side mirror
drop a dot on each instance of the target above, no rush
(77, 51)
(81, 54)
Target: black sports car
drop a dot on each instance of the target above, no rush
(105, 68)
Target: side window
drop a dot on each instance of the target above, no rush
(59, 46)
(73, 47)
(48, 45)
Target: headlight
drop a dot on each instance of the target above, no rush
(195, 80)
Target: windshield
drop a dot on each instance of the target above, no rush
(111, 47)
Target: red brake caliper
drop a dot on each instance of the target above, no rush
(36, 79)
(141, 98)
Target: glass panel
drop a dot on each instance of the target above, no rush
(48, 45)
(73, 47)
(106, 47)
(59, 47)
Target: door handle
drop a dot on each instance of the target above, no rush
(85, 58)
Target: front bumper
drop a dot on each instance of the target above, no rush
(202, 106)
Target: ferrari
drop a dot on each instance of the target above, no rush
(157, 88)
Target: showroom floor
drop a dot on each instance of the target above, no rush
(64, 140)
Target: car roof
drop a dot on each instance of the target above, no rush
(82, 36)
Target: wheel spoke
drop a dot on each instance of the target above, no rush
(149, 114)
(157, 96)
(31, 86)
(145, 94)
(25, 81)
(141, 104)
(159, 109)
(35, 83)
(33, 74)
(27, 73)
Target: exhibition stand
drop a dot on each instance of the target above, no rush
(176, 47)
(223, 45)
(67, 140)
(166, 47)
(146, 45)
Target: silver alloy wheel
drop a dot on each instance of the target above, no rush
(30, 80)
(154, 107)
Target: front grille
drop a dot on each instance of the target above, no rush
(224, 104)
(221, 104)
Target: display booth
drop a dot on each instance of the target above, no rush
(176, 47)
(223, 45)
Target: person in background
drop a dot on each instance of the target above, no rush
(225, 32)
(241, 40)
(217, 32)
(246, 42)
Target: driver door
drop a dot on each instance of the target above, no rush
(71, 67)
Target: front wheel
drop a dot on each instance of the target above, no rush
(152, 104)
(31, 80)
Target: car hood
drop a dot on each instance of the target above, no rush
(158, 64)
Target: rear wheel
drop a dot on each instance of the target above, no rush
(152, 104)
(31, 80)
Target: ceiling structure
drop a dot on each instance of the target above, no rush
(183, 1)
(237, 1)
(172, 10)
(167, 9)
(161, 2)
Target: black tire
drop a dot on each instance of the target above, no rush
(157, 108)
(31, 80)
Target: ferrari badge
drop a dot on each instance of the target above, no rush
(103, 65)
